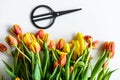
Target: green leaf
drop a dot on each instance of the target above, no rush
(36, 73)
(11, 74)
(7, 65)
(98, 65)
(107, 75)
(85, 73)
(46, 60)
(54, 72)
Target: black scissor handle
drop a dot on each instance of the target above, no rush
(34, 16)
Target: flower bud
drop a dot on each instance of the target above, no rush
(95, 44)
(55, 64)
(88, 38)
(17, 78)
(60, 44)
(28, 38)
(11, 41)
(66, 48)
(52, 44)
(62, 60)
(16, 29)
(3, 48)
(35, 47)
(40, 34)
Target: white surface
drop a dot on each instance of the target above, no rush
(99, 18)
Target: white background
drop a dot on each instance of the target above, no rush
(98, 18)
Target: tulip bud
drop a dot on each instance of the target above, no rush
(110, 47)
(55, 64)
(11, 41)
(16, 30)
(17, 78)
(88, 38)
(60, 44)
(28, 38)
(66, 48)
(35, 47)
(71, 69)
(52, 44)
(62, 60)
(95, 44)
(3, 48)
(40, 34)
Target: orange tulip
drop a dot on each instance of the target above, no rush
(11, 41)
(62, 59)
(3, 48)
(40, 34)
(60, 44)
(55, 64)
(110, 47)
(52, 44)
(16, 29)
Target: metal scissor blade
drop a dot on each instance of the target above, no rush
(59, 13)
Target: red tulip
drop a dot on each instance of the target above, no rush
(3, 48)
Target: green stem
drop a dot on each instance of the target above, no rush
(23, 54)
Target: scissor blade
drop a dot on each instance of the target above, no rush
(45, 18)
(59, 13)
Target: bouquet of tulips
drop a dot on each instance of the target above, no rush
(37, 57)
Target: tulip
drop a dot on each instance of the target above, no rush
(11, 41)
(16, 30)
(110, 47)
(60, 44)
(55, 64)
(88, 38)
(3, 48)
(76, 51)
(66, 48)
(40, 34)
(80, 38)
(94, 44)
(35, 47)
(52, 44)
(28, 38)
(62, 60)
(47, 38)
(17, 78)
(60, 52)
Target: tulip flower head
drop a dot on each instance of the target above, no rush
(88, 38)
(62, 59)
(40, 34)
(17, 78)
(110, 47)
(16, 29)
(28, 38)
(35, 47)
(11, 41)
(60, 44)
(52, 44)
(3, 48)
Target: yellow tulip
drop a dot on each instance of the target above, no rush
(28, 38)
(34, 46)
(77, 50)
(66, 48)
(17, 78)
(79, 36)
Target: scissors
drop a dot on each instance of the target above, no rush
(51, 15)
